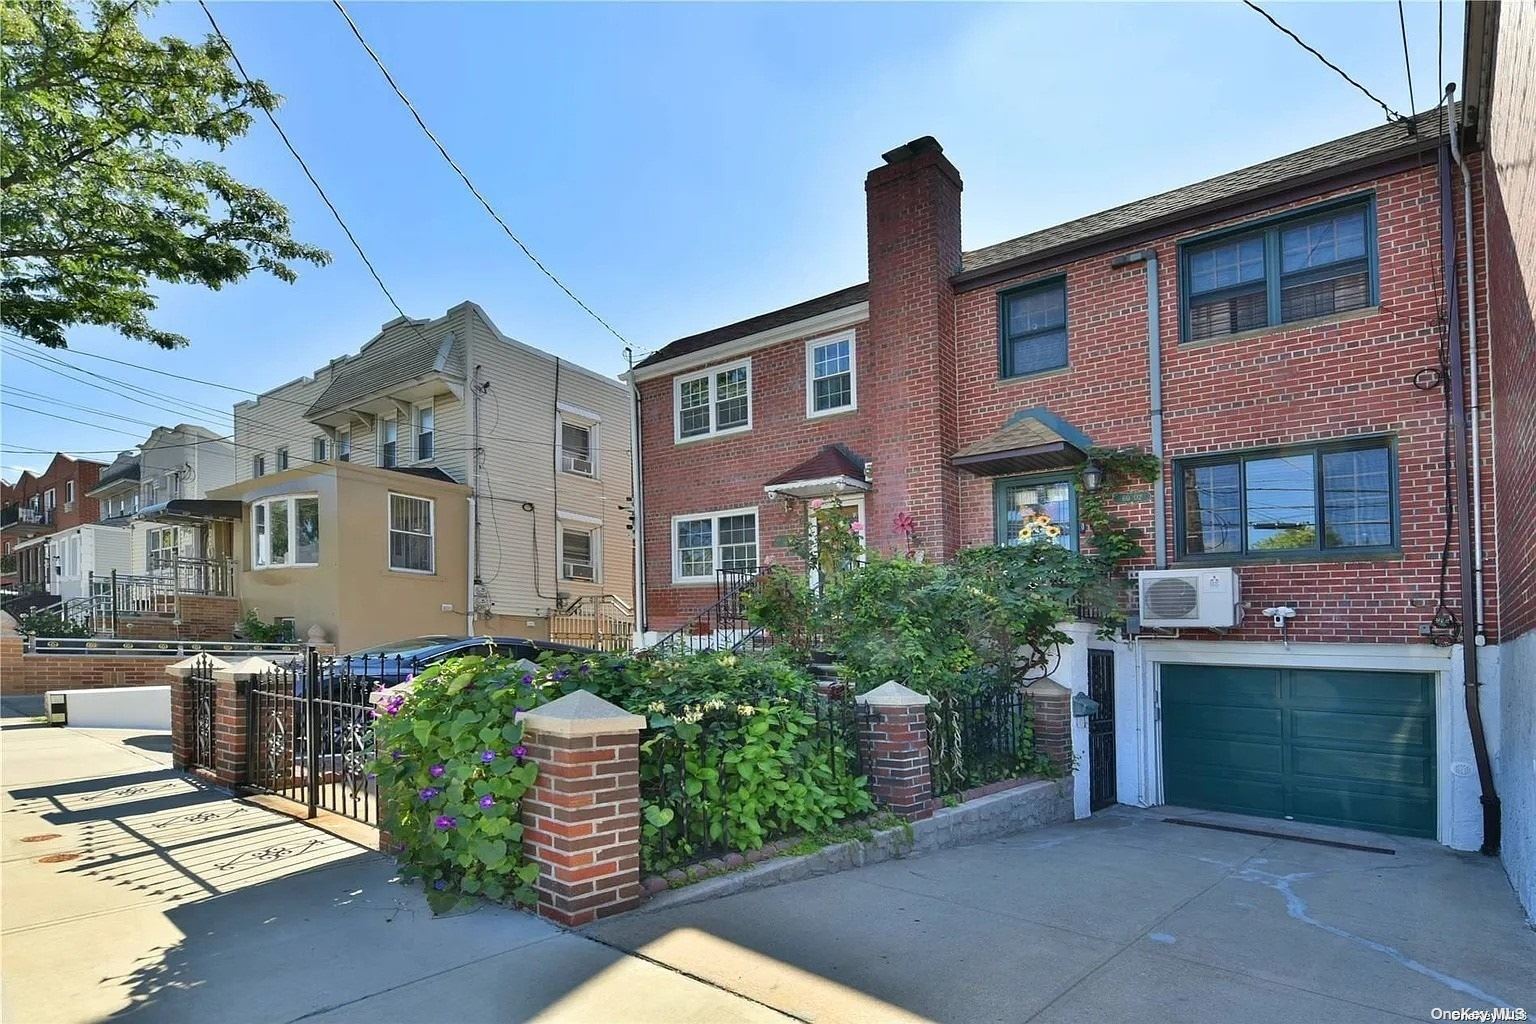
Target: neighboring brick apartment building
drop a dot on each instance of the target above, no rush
(1501, 92)
(40, 504)
(1305, 424)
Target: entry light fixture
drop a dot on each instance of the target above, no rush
(1093, 476)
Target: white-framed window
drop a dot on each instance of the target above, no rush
(285, 531)
(50, 500)
(258, 466)
(160, 548)
(831, 375)
(714, 401)
(389, 437)
(343, 444)
(282, 459)
(703, 543)
(412, 544)
(426, 420)
(317, 449)
(579, 556)
(578, 447)
(69, 493)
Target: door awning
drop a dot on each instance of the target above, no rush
(1032, 441)
(832, 470)
(190, 510)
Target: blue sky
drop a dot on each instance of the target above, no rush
(682, 166)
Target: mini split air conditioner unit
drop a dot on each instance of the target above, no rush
(1190, 598)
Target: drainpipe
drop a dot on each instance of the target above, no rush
(474, 493)
(1489, 798)
(1155, 395)
(636, 501)
(1476, 411)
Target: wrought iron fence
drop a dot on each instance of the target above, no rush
(201, 683)
(686, 785)
(978, 738)
(309, 735)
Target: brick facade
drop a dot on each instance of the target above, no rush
(928, 384)
(893, 736)
(24, 674)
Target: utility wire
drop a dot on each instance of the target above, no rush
(1402, 22)
(1392, 115)
(465, 177)
(303, 166)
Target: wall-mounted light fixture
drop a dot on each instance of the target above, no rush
(1093, 476)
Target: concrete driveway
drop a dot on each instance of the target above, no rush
(1119, 917)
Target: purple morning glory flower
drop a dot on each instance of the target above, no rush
(561, 673)
(436, 771)
(586, 667)
(395, 755)
(487, 801)
(520, 751)
(394, 704)
(488, 757)
(439, 885)
(446, 822)
(428, 793)
(527, 681)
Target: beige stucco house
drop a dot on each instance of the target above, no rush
(445, 479)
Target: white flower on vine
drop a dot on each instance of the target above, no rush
(657, 707)
(746, 710)
(714, 704)
(691, 714)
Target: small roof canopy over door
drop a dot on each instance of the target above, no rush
(833, 470)
(1032, 441)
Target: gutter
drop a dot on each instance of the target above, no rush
(1154, 394)
(1464, 556)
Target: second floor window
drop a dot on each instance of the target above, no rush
(1290, 502)
(829, 376)
(282, 459)
(389, 436)
(576, 448)
(343, 445)
(1033, 328)
(69, 492)
(717, 401)
(318, 452)
(1295, 268)
(426, 418)
(258, 465)
(50, 500)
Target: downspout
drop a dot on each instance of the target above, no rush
(1475, 391)
(636, 501)
(474, 492)
(1154, 395)
(1489, 798)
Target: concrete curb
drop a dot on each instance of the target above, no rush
(1034, 805)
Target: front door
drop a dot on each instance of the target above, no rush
(1101, 730)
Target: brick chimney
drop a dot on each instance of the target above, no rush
(913, 204)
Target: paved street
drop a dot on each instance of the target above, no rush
(132, 892)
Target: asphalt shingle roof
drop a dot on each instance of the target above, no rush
(402, 353)
(1373, 145)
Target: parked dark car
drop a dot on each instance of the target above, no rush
(392, 663)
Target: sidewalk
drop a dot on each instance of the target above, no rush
(131, 891)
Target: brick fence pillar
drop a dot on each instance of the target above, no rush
(1053, 721)
(582, 817)
(182, 741)
(231, 717)
(893, 733)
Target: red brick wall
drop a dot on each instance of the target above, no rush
(1510, 270)
(1343, 377)
(84, 472)
(29, 674)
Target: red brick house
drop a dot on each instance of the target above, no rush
(1300, 341)
(41, 504)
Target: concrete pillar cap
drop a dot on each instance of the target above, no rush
(1047, 687)
(246, 668)
(893, 695)
(581, 713)
(184, 668)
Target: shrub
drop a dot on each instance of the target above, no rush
(257, 631)
(51, 624)
(451, 774)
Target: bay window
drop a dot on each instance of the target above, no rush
(285, 531)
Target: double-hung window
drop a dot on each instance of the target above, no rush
(285, 531)
(426, 419)
(830, 375)
(317, 452)
(69, 494)
(578, 448)
(411, 533)
(719, 540)
(282, 459)
(716, 401)
(1336, 498)
(344, 444)
(1036, 509)
(1032, 329)
(389, 436)
(578, 554)
(1289, 269)
(160, 546)
(258, 468)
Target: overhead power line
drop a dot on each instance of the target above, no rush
(1402, 23)
(302, 165)
(467, 182)
(1392, 115)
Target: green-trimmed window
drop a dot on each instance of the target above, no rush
(1314, 263)
(1335, 498)
(1032, 328)
(1022, 501)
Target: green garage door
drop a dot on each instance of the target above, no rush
(1341, 748)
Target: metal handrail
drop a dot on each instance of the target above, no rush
(731, 585)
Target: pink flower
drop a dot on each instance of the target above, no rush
(856, 527)
(816, 505)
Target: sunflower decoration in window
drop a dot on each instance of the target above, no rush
(1039, 528)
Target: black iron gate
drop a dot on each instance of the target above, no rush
(201, 682)
(310, 733)
(1101, 729)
